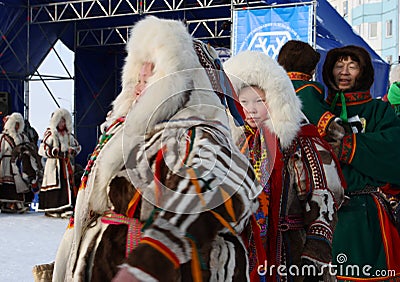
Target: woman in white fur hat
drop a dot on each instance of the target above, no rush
(14, 192)
(301, 193)
(142, 210)
(59, 146)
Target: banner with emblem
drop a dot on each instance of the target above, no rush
(267, 29)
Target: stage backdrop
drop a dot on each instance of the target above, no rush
(268, 29)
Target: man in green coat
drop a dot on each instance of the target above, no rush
(300, 60)
(366, 242)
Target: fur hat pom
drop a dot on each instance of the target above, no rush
(250, 68)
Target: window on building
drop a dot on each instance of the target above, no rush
(389, 26)
(389, 59)
(357, 29)
(345, 8)
(372, 30)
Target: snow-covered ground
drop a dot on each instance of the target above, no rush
(26, 240)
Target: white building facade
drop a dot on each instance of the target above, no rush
(377, 22)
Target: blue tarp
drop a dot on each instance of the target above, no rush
(97, 69)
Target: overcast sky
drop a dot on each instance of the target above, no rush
(41, 104)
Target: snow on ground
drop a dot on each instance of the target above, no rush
(26, 240)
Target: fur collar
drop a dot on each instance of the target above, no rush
(255, 68)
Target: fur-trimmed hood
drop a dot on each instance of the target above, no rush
(12, 119)
(178, 89)
(168, 45)
(179, 80)
(56, 117)
(9, 127)
(250, 68)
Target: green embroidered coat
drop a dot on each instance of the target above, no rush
(367, 159)
(312, 95)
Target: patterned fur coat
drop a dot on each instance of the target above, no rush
(166, 192)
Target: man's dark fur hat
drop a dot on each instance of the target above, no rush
(298, 56)
(366, 77)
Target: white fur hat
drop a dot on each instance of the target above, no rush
(166, 44)
(257, 69)
(179, 79)
(11, 120)
(57, 115)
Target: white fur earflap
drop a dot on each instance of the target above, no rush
(257, 69)
(57, 115)
(12, 119)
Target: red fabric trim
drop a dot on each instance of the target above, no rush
(162, 249)
(390, 238)
(311, 131)
(261, 256)
(157, 174)
(275, 202)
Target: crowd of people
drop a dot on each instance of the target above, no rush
(242, 171)
(22, 174)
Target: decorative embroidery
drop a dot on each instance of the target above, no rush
(352, 98)
(348, 148)
(299, 76)
(134, 228)
(321, 231)
(324, 122)
(103, 141)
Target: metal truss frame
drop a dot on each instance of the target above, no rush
(200, 26)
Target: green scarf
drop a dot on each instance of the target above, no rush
(343, 113)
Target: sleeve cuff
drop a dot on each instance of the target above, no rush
(324, 122)
(348, 148)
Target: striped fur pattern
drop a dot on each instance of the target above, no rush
(219, 169)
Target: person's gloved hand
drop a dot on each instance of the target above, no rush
(334, 131)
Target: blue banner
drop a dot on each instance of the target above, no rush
(266, 30)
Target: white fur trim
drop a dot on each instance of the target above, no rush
(57, 116)
(14, 118)
(168, 45)
(9, 128)
(255, 68)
